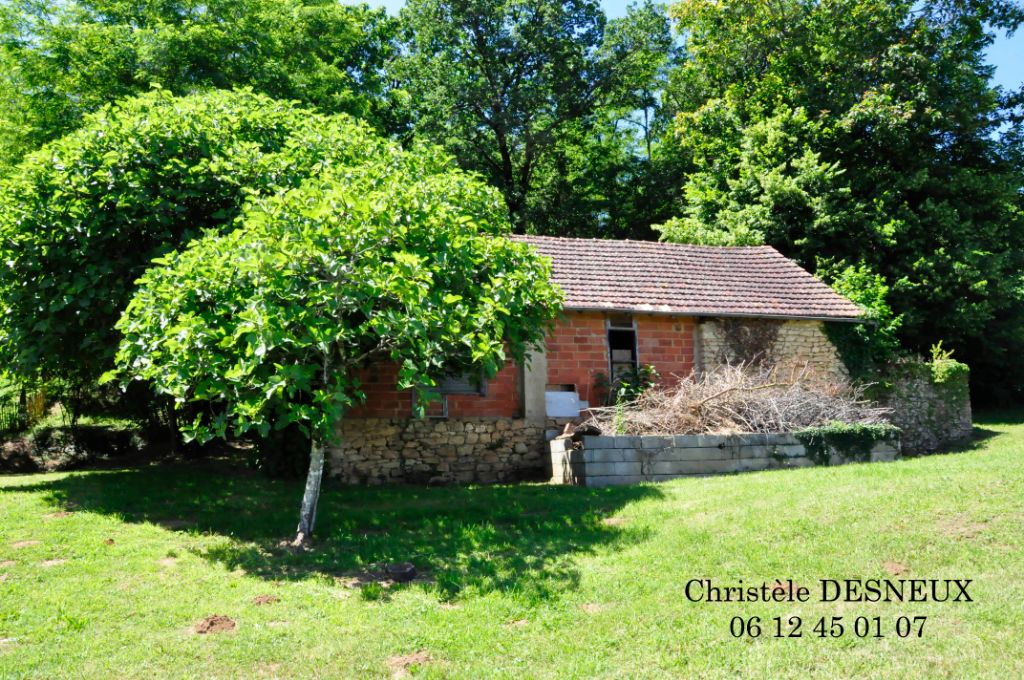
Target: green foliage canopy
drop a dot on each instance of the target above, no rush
(81, 219)
(865, 133)
(867, 346)
(62, 60)
(400, 260)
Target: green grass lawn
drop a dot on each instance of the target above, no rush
(106, 573)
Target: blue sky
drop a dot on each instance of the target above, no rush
(1007, 53)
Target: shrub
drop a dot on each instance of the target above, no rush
(628, 385)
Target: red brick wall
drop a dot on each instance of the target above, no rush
(576, 352)
(383, 400)
(666, 342)
(502, 399)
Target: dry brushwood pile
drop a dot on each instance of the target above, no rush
(735, 399)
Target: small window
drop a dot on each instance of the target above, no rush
(463, 384)
(454, 384)
(622, 349)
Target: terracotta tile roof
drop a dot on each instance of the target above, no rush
(669, 278)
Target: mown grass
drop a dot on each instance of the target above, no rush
(522, 581)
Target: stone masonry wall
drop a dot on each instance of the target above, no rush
(798, 344)
(435, 451)
(608, 461)
(932, 415)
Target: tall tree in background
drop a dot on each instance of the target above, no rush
(618, 171)
(62, 60)
(865, 133)
(82, 218)
(514, 88)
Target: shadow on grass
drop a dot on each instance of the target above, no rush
(999, 416)
(519, 538)
(978, 440)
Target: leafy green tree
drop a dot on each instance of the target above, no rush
(776, 188)
(400, 261)
(617, 171)
(501, 82)
(865, 132)
(598, 181)
(81, 219)
(62, 60)
(864, 347)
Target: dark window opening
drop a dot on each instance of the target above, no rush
(622, 352)
(464, 384)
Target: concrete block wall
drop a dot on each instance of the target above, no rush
(607, 461)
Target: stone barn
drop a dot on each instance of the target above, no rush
(679, 308)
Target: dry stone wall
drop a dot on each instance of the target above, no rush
(438, 451)
(610, 461)
(797, 344)
(933, 413)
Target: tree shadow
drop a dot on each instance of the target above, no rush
(515, 538)
(1003, 416)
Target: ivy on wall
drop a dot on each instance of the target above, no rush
(850, 442)
(749, 341)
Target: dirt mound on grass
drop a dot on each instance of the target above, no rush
(896, 568)
(215, 623)
(400, 665)
(265, 599)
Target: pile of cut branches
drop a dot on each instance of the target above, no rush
(735, 399)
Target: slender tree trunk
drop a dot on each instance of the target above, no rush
(311, 497)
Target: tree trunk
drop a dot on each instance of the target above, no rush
(172, 426)
(23, 418)
(311, 497)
